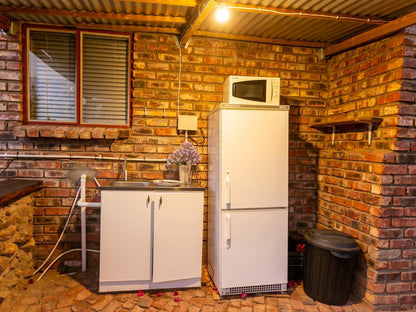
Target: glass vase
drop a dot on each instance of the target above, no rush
(185, 174)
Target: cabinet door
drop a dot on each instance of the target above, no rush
(125, 236)
(177, 249)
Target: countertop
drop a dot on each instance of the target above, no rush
(12, 189)
(153, 187)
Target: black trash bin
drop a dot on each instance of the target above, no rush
(329, 261)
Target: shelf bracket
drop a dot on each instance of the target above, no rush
(370, 129)
(333, 135)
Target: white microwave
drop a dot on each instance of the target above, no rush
(251, 90)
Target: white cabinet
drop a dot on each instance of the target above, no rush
(125, 242)
(150, 239)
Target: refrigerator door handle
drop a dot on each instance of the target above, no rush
(227, 235)
(228, 191)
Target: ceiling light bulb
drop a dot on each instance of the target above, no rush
(222, 15)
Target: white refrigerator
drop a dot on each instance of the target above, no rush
(248, 198)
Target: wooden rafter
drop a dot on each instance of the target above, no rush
(5, 22)
(204, 9)
(261, 40)
(186, 3)
(160, 30)
(303, 14)
(114, 16)
(372, 35)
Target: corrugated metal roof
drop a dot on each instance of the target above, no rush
(163, 16)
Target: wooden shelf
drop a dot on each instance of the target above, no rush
(329, 127)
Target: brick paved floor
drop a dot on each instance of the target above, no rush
(61, 293)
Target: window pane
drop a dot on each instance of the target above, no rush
(52, 76)
(105, 80)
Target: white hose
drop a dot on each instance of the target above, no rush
(61, 255)
(62, 233)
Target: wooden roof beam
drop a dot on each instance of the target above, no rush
(5, 22)
(115, 16)
(133, 28)
(186, 3)
(304, 14)
(262, 40)
(372, 35)
(203, 10)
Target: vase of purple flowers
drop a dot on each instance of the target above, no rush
(184, 158)
(185, 174)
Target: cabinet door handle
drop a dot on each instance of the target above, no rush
(148, 200)
(160, 201)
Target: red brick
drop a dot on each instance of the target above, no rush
(386, 299)
(98, 133)
(410, 211)
(404, 180)
(387, 233)
(51, 192)
(395, 169)
(56, 211)
(400, 265)
(410, 253)
(398, 287)
(408, 299)
(401, 243)
(410, 232)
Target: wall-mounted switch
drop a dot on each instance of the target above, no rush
(187, 122)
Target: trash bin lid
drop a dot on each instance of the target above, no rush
(332, 240)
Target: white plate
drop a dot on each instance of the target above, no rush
(167, 182)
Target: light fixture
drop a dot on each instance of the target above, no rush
(222, 14)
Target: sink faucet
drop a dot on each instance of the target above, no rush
(125, 168)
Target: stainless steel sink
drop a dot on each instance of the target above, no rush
(131, 183)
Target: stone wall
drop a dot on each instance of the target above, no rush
(16, 243)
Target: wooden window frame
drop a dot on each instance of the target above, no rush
(78, 32)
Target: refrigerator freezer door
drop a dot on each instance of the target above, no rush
(254, 247)
(254, 158)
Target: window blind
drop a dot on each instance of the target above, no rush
(105, 81)
(52, 77)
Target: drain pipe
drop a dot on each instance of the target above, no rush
(83, 204)
(70, 157)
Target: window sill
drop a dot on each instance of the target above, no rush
(70, 132)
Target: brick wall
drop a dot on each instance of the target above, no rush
(368, 191)
(206, 63)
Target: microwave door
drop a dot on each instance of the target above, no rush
(253, 90)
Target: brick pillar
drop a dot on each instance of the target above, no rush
(369, 191)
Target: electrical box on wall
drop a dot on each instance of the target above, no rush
(187, 122)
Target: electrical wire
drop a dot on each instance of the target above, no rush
(203, 138)
(307, 14)
(7, 166)
(61, 255)
(179, 76)
(62, 233)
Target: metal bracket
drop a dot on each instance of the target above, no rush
(370, 129)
